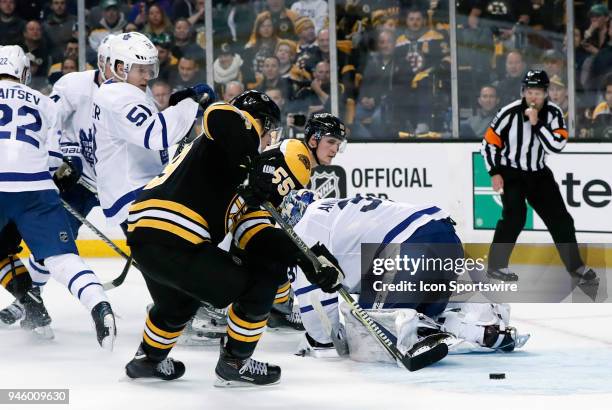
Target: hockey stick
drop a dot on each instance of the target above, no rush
(119, 279)
(416, 358)
(340, 345)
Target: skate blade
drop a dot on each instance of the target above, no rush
(197, 341)
(43, 333)
(219, 382)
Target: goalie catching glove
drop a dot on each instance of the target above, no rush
(329, 276)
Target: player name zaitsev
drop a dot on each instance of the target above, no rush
(453, 286)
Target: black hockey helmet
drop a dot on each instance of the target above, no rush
(536, 79)
(260, 106)
(324, 124)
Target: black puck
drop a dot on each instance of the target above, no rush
(497, 376)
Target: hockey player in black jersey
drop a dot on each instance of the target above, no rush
(182, 215)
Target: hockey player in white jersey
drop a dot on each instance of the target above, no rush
(73, 95)
(131, 136)
(29, 147)
(342, 225)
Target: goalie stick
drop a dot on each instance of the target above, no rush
(119, 279)
(426, 352)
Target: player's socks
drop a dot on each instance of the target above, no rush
(141, 366)
(285, 314)
(104, 322)
(233, 371)
(39, 273)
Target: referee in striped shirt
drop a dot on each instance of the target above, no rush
(515, 147)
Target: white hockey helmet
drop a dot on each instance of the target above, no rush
(104, 54)
(13, 62)
(134, 50)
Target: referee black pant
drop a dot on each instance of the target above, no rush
(541, 190)
(178, 280)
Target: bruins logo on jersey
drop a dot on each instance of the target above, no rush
(234, 212)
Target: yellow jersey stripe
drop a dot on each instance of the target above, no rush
(153, 343)
(169, 227)
(284, 288)
(244, 240)
(281, 300)
(241, 338)
(162, 333)
(7, 278)
(172, 206)
(242, 323)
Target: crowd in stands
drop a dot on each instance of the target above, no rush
(394, 60)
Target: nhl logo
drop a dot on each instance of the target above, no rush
(63, 236)
(329, 181)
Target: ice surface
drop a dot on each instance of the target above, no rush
(566, 364)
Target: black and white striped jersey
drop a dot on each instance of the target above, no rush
(512, 141)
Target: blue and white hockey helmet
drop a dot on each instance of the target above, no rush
(294, 205)
(15, 63)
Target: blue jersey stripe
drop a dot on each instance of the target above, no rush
(308, 308)
(24, 177)
(164, 130)
(305, 289)
(121, 202)
(393, 233)
(56, 154)
(148, 135)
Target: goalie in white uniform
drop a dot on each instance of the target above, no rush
(342, 225)
(132, 137)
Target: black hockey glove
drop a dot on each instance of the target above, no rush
(68, 174)
(178, 96)
(201, 93)
(260, 187)
(329, 277)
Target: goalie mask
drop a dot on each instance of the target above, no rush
(289, 165)
(294, 205)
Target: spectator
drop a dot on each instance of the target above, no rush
(271, 78)
(130, 27)
(11, 26)
(605, 107)
(476, 125)
(541, 14)
(186, 75)
(161, 93)
(418, 47)
(596, 36)
(112, 22)
(308, 52)
(167, 61)
(91, 56)
(276, 95)
(184, 41)
(69, 65)
(315, 98)
(474, 55)
(139, 13)
(158, 23)
(286, 53)
(227, 67)
(31, 9)
(554, 63)
(97, 12)
(58, 24)
(240, 18)
(509, 87)
(34, 43)
(557, 93)
(232, 89)
(602, 64)
(376, 87)
(316, 10)
(39, 80)
(283, 19)
(262, 44)
(71, 51)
